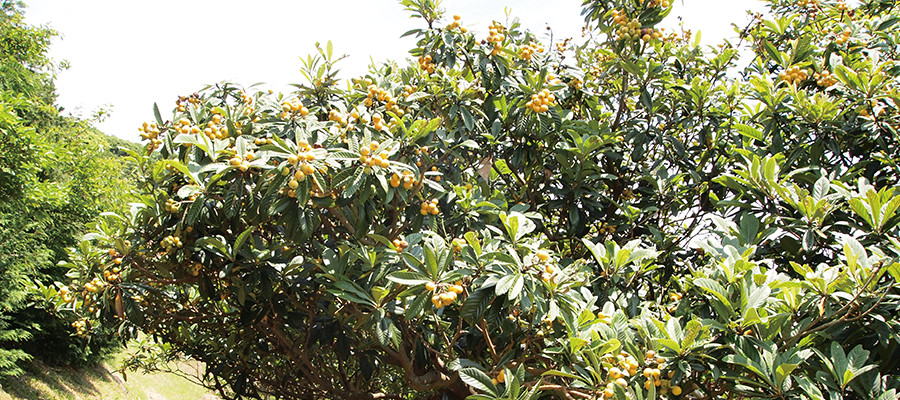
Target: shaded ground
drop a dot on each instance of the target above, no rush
(96, 383)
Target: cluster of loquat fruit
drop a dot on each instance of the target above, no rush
(437, 178)
(457, 244)
(214, 128)
(408, 90)
(448, 293)
(654, 375)
(421, 152)
(290, 109)
(793, 75)
(658, 3)
(171, 206)
(528, 50)
(194, 269)
(576, 83)
(369, 159)
(95, 285)
(628, 29)
(377, 93)
(808, 3)
(406, 178)
(81, 326)
(150, 132)
(844, 37)
(193, 100)
(825, 78)
(248, 103)
(302, 167)
(430, 207)
(378, 122)
(66, 294)
(170, 242)
(400, 244)
(563, 45)
(496, 35)
(627, 366)
(841, 6)
(337, 116)
(648, 34)
(112, 274)
(540, 102)
(548, 270)
(500, 378)
(425, 62)
(242, 162)
(607, 229)
(456, 24)
(262, 141)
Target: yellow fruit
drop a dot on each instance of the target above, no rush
(615, 373)
(430, 286)
(676, 390)
(543, 255)
(456, 289)
(448, 297)
(500, 377)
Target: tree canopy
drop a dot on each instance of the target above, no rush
(627, 216)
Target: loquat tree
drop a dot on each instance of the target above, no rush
(631, 217)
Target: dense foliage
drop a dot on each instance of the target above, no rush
(55, 176)
(631, 217)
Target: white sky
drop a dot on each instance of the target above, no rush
(129, 54)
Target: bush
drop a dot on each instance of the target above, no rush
(495, 221)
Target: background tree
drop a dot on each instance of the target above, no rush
(498, 221)
(55, 176)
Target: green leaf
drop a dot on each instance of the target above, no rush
(239, 242)
(408, 278)
(839, 360)
(159, 120)
(479, 380)
(750, 132)
(505, 283)
(468, 120)
(715, 289)
(476, 303)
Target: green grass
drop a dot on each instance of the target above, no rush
(99, 382)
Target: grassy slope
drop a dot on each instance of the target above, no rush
(46, 383)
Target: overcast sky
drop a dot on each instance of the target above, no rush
(130, 54)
